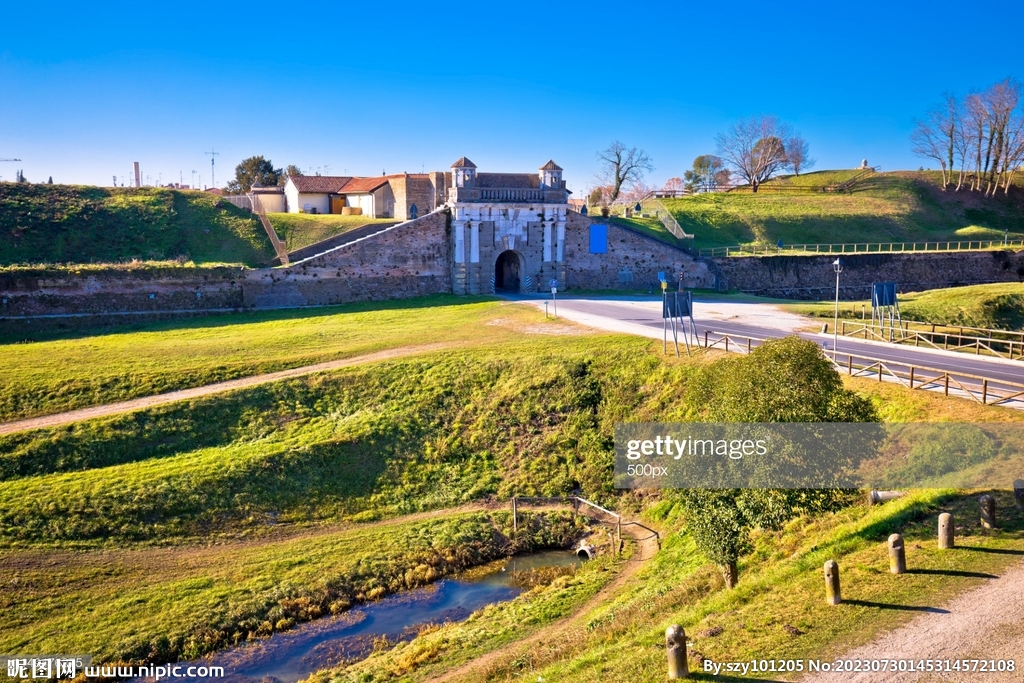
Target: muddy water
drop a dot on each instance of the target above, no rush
(293, 655)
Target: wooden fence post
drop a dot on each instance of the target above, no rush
(988, 511)
(515, 515)
(833, 595)
(897, 555)
(675, 645)
(1018, 492)
(946, 539)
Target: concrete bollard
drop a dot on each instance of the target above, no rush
(1018, 493)
(675, 645)
(897, 555)
(833, 595)
(946, 531)
(879, 497)
(988, 511)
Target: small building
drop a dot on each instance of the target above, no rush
(400, 196)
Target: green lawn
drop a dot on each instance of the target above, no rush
(884, 207)
(299, 230)
(652, 227)
(52, 376)
(52, 224)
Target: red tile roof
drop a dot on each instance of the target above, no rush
(319, 184)
(364, 184)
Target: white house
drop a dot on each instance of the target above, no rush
(371, 197)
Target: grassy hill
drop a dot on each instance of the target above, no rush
(299, 230)
(48, 224)
(883, 207)
(292, 500)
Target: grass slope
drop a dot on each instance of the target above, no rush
(46, 224)
(885, 207)
(299, 230)
(997, 306)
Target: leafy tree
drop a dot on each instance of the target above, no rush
(291, 171)
(622, 166)
(250, 171)
(706, 174)
(785, 380)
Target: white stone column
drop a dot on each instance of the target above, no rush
(560, 231)
(460, 241)
(474, 242)
(547, 242)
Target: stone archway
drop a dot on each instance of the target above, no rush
(509, 270)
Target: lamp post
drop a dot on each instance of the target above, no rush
(837, 266)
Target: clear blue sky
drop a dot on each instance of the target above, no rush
(86, 88)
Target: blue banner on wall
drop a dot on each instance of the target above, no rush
(598, 238)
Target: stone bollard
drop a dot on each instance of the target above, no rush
(1018, 493)
(879, 497)
(945, 531)
(675, 645)
(833, 596)
(988, 511)
(897, 555)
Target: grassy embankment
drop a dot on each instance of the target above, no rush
(299, 230)
(997, 306)
(509, 414)
(885, 207)
(54, 224)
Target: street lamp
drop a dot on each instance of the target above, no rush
(837, 266)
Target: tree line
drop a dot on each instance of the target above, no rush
(980, 137)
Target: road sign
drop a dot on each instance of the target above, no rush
(554, 283)
(554, 290)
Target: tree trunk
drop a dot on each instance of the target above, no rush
(730, 574)
(753, 186)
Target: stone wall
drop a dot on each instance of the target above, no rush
(60, 292)
(409, 259)
(813, 277)
(633, 260)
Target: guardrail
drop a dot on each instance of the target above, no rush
(1012, 349)
(862, 247)
(982, 389)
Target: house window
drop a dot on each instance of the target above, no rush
(413, 212)
(598, 238)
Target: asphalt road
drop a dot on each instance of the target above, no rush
(1004, 376)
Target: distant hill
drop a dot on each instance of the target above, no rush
(47, 224)
(881, 207)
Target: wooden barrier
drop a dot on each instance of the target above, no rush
(988, 511)
(833, 594)
(897, 555)
(675, 646)
(946, 537)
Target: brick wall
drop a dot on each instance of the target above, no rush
(410, 259)
(633, 260)
(813, 277)
(62, 292)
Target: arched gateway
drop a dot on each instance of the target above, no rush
(508, 271)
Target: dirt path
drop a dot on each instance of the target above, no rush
(648, 546)
(981, 624)
(149, 401)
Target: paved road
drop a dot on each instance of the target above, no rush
(642, 315)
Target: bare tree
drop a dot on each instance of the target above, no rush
(797, 154)
(673, 184)
(755, 148)
(928, 141)
(976, 124)
(1002, 100)
(621, 166)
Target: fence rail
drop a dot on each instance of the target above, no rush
(862, 247)
(982, 389)
(1008, 345)
(577, 503)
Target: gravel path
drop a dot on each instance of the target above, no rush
(986, 623)
(70, 416)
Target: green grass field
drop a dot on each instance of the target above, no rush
(54, 224)
(180, 529)
(885, 207)
(299, 230)
(996, 306)
(651, 227)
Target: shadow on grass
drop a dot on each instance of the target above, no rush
(903, 608)
(952, 572)
(699, 675)
(994, 551)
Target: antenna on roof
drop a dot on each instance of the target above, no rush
(382, 172)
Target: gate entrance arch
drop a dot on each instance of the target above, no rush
(509, 270)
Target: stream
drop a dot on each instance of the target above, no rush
(293, 655)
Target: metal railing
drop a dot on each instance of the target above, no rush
(979, 388)
(862, 247)
(279, 247)
(1007, 344)
(578, 503)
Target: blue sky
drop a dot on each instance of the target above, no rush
(88, 88)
